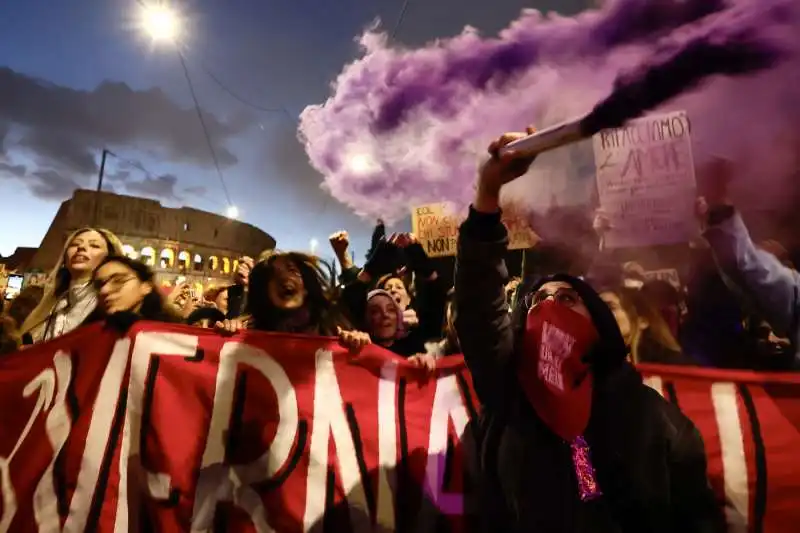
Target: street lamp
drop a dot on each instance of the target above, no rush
(161, 22)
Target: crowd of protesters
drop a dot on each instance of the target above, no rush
(738, 310)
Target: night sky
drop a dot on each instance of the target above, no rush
(80, 75)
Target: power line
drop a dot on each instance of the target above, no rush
(205, 128)
(199, 112)
(239, 98)
(400, 18)
(134, 164)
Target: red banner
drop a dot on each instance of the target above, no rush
(178, 429)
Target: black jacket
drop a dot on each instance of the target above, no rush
(236, 301)
(649, 457)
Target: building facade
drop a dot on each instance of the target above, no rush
(180, 244)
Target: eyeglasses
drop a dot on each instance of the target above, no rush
(566, 297)
(114, 282)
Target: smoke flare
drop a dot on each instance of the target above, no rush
(406, 127)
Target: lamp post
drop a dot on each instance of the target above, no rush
(97, 199)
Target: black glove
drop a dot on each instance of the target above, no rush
(419, 261)
(121, 321)
(378, 234)
(384, 258)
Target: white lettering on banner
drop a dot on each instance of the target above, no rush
(145, 346)
(387, 447)
(57, 428)
(330, 420)
(734, 462)
(447, 405)
(103, 412)
(44, 384)
(220, 482)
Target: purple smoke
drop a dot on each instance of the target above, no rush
(406, 127)
(656, 82)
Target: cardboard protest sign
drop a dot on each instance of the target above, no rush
(670, 275)
(646, 181)
(436, 227)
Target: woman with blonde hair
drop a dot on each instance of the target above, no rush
(645, 332)
(69, 297)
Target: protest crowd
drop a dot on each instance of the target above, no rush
(736, 308)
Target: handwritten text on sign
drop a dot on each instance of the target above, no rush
(436, 227)
(646, 181)
(670, 275)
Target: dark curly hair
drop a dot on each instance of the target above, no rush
(321, 304)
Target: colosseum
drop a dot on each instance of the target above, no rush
(181, 244)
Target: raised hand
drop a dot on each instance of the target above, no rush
(340, 242)
(499, 170)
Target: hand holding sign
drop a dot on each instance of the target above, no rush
(716, 178)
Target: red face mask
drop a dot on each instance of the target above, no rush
(552, 372)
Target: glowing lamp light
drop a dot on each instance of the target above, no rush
(161, 22)
(232, 212)
(360, 164)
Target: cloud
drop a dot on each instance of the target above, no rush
(117, 176)
(11, 170)
(113, 114)
(155, 187)
(51, 185)
(195, 191)
(64, 130)
(60, 149)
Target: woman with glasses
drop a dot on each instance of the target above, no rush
(125, 285)
(569, 439)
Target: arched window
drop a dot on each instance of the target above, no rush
(213, 263)
(167, 258)
(148, 256)
(129, 251)
(235, 266)
(198, 262)
(184, 260)
(226, 265)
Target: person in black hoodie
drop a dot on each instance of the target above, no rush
(569, 439)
